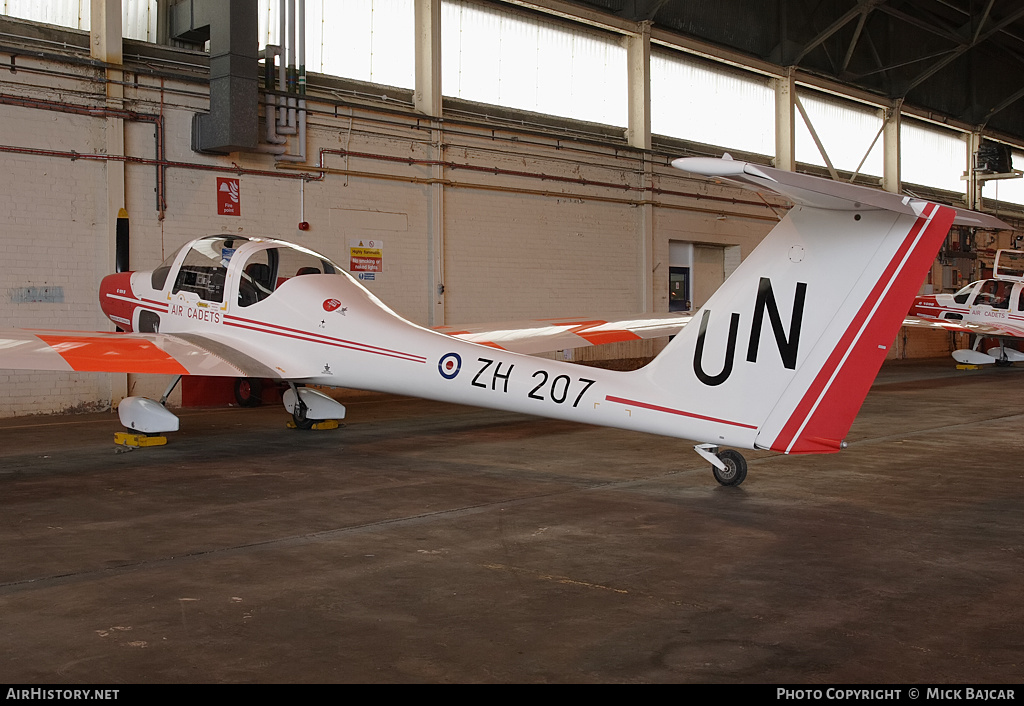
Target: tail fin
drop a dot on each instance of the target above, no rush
(792, 341)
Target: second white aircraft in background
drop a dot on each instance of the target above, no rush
(988, 309)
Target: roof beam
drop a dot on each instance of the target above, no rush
(983, 20)
(853, 42)
(962, 48)
(1006, 103)
(641, 9)
(943, 32)
(863, 8)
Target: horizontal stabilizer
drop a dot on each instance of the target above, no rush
(816, 192)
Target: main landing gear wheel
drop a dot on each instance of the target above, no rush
(735, 468)
(299, 416)
(249, 392)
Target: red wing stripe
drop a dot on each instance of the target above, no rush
(585, 330)
(112, 354)
(669, 410)
(598, 338)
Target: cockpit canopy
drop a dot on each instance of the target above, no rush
(261, 266)
(994, 293)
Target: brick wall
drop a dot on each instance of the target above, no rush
(551, 227)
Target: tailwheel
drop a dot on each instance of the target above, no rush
(735, 468)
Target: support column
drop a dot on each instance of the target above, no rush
(427, 100)
(638, 59)
(638, 134)
(105, 32)
(891, 176)
(785, 123)
(105, 46)
(646, 235)
(974, 185)
(435, 244)
(427, 96)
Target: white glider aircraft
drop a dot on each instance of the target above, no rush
(781, 357)
(990, 308)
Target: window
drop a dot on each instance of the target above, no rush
(694, 100)
(849, 132)
(1009, 190)
(995, 294)
(508, 58)
(205, 268)
(159, 278)
(932, 157)
(138, 17)
(266, 270)
(964, 294)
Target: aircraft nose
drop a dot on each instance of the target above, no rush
(924, 300)
(117, 299)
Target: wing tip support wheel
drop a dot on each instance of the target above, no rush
(249, 392)
(735, 468)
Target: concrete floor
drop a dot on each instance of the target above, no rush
(433, 543)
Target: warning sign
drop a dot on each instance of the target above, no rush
(366, 255)
(229, 202)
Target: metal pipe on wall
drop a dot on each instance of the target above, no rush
(157, 120)
(271, 54)
(296, 51)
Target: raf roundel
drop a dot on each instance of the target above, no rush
(449, 365)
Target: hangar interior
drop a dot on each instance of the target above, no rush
(511, 159)
(506, 160)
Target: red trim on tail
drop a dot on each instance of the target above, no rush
(824, 415)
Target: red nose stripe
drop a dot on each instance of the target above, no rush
(113, 354)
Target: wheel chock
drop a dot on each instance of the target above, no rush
(319, 426)
(126, 438)
(967, 366)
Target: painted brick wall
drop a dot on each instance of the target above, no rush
(533, 226)
(510, 256)
(48, 241)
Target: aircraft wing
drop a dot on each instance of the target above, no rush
(995, 328)
(544, 335)
(105, 352)
(194, 354)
